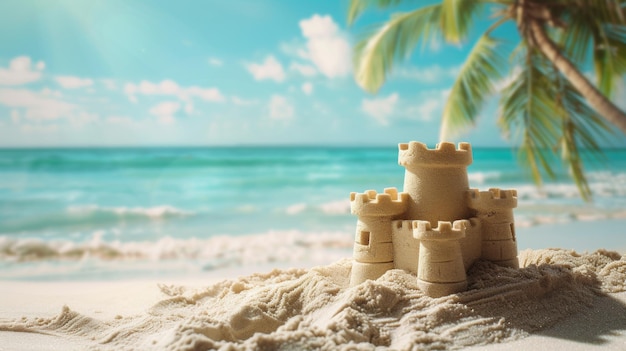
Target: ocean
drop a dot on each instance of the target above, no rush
(109, 213)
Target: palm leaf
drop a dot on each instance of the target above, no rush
(357, 7)
(581, 128)
(376, 53)
(472, 87)
(527, 107)
(456, 18)
(599, 26)
(609, 66)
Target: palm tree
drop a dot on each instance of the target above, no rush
(546, 99)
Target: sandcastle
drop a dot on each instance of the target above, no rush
(437, 227)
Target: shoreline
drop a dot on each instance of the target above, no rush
(592, 317)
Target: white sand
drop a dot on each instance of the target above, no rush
(560, 299)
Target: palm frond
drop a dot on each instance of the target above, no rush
(357, 7)
(376, 53)
(581, 128)
(550, 115)
(456, 18)
(597, 27)
(472, 87)
(609, 66)
(527, 107)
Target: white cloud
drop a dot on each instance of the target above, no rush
(120, 120)
(429, 105)
(70, 82)
(381, 108)
(50, 92)
(44, 105)
(431, 74)
(213, 61)
(109, 84)
(166, 119)
(39, 128)
(280, 108)
(83, 118)
(15, 116)
(165, 112)
(307, 88)
(426, 109)
(20, 71)
(327, 47)
(189, 108)
(207, 94)
(170, 88)
(296, 49)
(165, 87)
(269, 69)
(166, 108)
(242, 102)
(305, 70)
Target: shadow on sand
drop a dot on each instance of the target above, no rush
(549, 299)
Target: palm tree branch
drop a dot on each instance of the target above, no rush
(595, 98)
(456, 18)
(527, 106)
(376, 53)
(357, 7)
(474, 84)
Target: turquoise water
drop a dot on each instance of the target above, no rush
(63, 204)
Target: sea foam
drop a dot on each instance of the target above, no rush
(123, 211)
(216, 252)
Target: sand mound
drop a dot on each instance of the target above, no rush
(315, 309)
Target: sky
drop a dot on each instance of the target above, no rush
(174, 73)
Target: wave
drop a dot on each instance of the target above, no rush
(336, 207)
(92, 215)
(126, 212)
(479, 178)
(215, 252)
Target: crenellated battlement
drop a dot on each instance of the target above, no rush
(371, 203)
(445, 154)
(423, 230)
(492, 199)
(402, 225)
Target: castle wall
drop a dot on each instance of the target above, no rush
(471, 244)
(405, 246)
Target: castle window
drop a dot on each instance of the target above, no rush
(513, 231)
(364, 238)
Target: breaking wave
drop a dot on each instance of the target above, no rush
(216, 252)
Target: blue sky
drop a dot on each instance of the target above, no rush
(140, 73)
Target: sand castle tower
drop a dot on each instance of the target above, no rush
(441, 270)
(373, 247)
(436, 180)
(495, 210)
(437, 227)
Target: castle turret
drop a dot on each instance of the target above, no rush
(373, 248)
(494, 208)
(436, 180)
(440, 270)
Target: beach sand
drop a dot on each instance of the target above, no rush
(559, 300)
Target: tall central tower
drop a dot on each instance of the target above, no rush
(436, 180)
